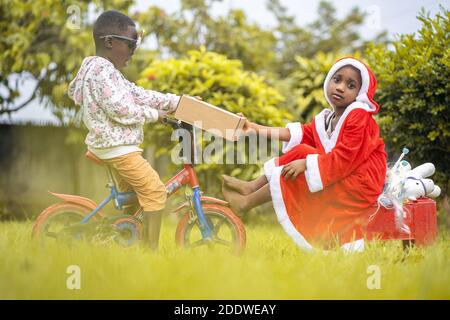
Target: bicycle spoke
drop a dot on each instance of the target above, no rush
(56, 226)
(223, 242)
(218, 225)
(52, 234)
(67, 221)
(197, 243)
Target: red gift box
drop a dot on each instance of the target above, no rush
(420, 217)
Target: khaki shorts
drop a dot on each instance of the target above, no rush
(135, 173)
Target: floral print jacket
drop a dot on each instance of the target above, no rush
(114, 109)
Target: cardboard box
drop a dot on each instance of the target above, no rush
(209, 118)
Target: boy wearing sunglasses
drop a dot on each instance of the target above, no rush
(115, 110)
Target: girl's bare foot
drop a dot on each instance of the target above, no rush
(241, 186)
(237, 201)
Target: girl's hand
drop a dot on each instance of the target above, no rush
(293, 169)
(248, 125)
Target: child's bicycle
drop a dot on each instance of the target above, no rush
(206, 220)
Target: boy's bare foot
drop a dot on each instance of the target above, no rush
(241, 186)
(237, 201)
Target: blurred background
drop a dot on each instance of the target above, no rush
(265, 58)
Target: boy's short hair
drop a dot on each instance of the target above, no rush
(111, 22)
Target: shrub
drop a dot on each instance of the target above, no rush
(414, 93)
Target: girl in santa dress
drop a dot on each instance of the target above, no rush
(332, 170)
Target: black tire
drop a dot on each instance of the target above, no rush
(228, 230)
(51, 223)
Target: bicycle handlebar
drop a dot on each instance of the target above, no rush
(178, 124)
(173, 123)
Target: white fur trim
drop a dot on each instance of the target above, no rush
(363, 98)
(355, 246)
(365, 78)
(329, 143)
(312, 173)
(345, 62)
(268, 168)
(296, 131)
(280, 210)
(321, 132)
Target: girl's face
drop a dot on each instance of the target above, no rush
(344, 86)
(120, 49)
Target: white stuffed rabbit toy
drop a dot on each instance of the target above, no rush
(415, 184)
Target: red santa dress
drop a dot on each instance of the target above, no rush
(330, 202)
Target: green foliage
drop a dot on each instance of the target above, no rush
(221, 82)
(414, 93)
(194, 26)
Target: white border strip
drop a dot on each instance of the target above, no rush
(329, 143)
(312, 173)
(280, 210)
(296, 131)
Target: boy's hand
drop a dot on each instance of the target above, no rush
(161, 114)
(293, 169)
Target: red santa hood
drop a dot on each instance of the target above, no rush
(368, 86)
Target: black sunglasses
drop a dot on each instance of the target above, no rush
(132, 43)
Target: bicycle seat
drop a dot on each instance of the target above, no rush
(94, 158)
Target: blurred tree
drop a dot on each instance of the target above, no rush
(45, 41)
(194, 26)
(326, 34)
(261, 50)
(414, 93)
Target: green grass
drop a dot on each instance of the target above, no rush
(271, 268)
